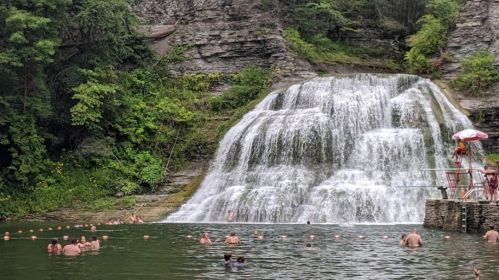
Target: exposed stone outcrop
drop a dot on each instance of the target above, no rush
(448, 215)
(477, 28)
(484, 113)
(226, 35)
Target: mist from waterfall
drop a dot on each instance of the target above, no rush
(341, 149)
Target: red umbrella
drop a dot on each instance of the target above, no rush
(470, 135)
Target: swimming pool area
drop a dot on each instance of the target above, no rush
(169, 254)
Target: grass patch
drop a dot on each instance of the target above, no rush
(319, 49)
(492, 159)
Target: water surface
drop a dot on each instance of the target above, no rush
(168, 254)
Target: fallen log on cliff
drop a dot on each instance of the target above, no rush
(164, 33)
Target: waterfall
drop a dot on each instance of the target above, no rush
(341, 149)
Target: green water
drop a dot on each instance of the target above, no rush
(168, 254)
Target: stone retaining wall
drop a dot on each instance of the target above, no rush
(446, 214)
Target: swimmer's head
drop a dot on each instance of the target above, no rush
(94, 237)
(309, 245)
(491, 227)
(205, 235)
(404, 236)
(54, 240)
(233, 233)
(74, 240)
(227, 256)
(240, 259)
(308, 222)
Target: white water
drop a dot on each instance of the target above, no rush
(344, 149)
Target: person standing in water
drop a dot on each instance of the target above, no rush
(491, 235)
(414, 240)
(204, 239)
(72, 249)
(54, 246)
(95, 244)
(232, 239)
(230, 216)
(403, 239)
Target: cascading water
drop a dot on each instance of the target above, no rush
(343, 149)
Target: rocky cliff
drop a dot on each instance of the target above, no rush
(478, 28)
(226, 35)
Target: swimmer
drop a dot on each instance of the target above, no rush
(309, 245)
(83, 243)
(491, 235)
(72, 249)
(93, 229)
(133, 219)
(228, 259)
(204, 239)
(403, 239)
(308, 222)
(54, 246)
(230, 216)
(414, 240)
(232, 239)
(95, 244)
(255, 233)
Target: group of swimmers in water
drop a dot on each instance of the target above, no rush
(75, 247)
(134, 219)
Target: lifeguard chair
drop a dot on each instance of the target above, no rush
(455, 176)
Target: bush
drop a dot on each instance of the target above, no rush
(299, 46)
(478, 72)
(251, 84)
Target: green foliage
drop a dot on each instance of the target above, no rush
(87, 112)
(478, 72)
(252, 84)
(266, 5)
(299, 46)
(431, 36)
(322, 17)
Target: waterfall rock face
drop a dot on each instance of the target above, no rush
(332, 149)
(226, 36)
(477, 28)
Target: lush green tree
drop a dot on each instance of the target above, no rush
(478, 72)
(430, 38)
(322, 17)
(29, 32)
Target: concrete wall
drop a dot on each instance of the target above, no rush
(446, 214)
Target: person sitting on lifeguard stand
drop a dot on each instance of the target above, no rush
(459, 150)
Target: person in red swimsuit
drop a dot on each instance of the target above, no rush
(490, 182)
(54, 246)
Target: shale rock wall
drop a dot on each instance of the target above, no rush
(226, 35)
(477, 28)
(447, 214)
